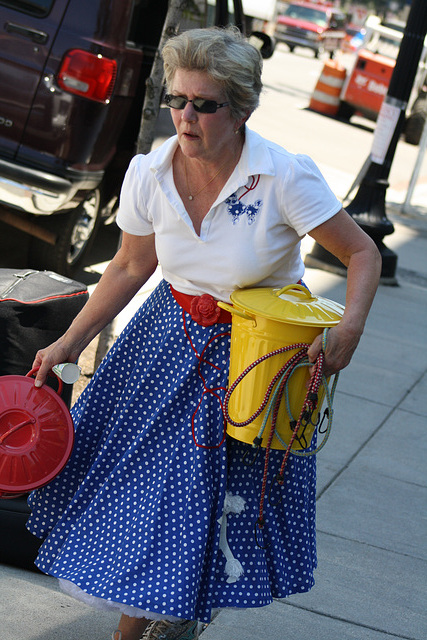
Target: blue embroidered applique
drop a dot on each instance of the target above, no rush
(236, 208)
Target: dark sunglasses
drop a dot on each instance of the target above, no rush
(200, 104)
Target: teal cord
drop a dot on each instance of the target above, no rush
(329, 397)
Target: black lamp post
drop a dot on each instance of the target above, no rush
(222, 17)
(368, 207)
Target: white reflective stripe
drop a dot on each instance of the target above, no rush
(325, 98)
(331, 81)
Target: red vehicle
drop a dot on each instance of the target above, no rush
(319, 27)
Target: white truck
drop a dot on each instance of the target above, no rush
(260, 14)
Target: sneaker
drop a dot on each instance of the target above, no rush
(164, 630)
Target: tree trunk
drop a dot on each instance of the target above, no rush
(154, 84)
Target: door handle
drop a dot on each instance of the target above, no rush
(39, 37)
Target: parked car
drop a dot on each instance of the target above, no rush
(319, 27)
(72, 84)
(72, 81)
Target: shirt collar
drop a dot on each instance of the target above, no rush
(162, 157)
(256, 158)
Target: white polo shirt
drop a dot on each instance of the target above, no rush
(251, 235)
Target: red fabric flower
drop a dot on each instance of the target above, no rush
(204, 310)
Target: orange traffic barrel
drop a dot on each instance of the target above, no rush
(326, 95)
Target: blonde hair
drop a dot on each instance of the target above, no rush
(226, 56)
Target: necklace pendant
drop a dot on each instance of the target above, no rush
(190, 197)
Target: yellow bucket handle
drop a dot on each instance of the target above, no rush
(246, 316)
(235, 311)
(300, 287)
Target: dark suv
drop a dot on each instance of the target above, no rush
(72, 82)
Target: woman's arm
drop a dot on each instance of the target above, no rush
(130, 268)
(342, 237)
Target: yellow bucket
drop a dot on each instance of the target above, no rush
(264, 320)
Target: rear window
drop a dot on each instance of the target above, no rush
(37, 8)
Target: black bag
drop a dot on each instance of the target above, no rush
(36, 308)
(18, 547)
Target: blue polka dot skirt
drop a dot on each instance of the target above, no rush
(155, 512)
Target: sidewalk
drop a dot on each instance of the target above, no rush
(371, 581)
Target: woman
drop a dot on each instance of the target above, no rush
(134, 521)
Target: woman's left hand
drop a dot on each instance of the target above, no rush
(340, 346)
(342, 237)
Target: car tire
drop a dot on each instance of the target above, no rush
(416, 120)
(75, 231)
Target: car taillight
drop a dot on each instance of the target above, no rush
(89, 75)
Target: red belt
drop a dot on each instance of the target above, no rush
(203, 309)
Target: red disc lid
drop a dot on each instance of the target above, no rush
(36, 434)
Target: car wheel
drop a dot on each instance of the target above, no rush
(75, 231)
(415, 122)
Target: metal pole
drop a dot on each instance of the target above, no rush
(221, 13)
(368, 206)
(239, 16)
(416, 171)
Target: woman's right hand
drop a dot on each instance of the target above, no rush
(46, 358)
